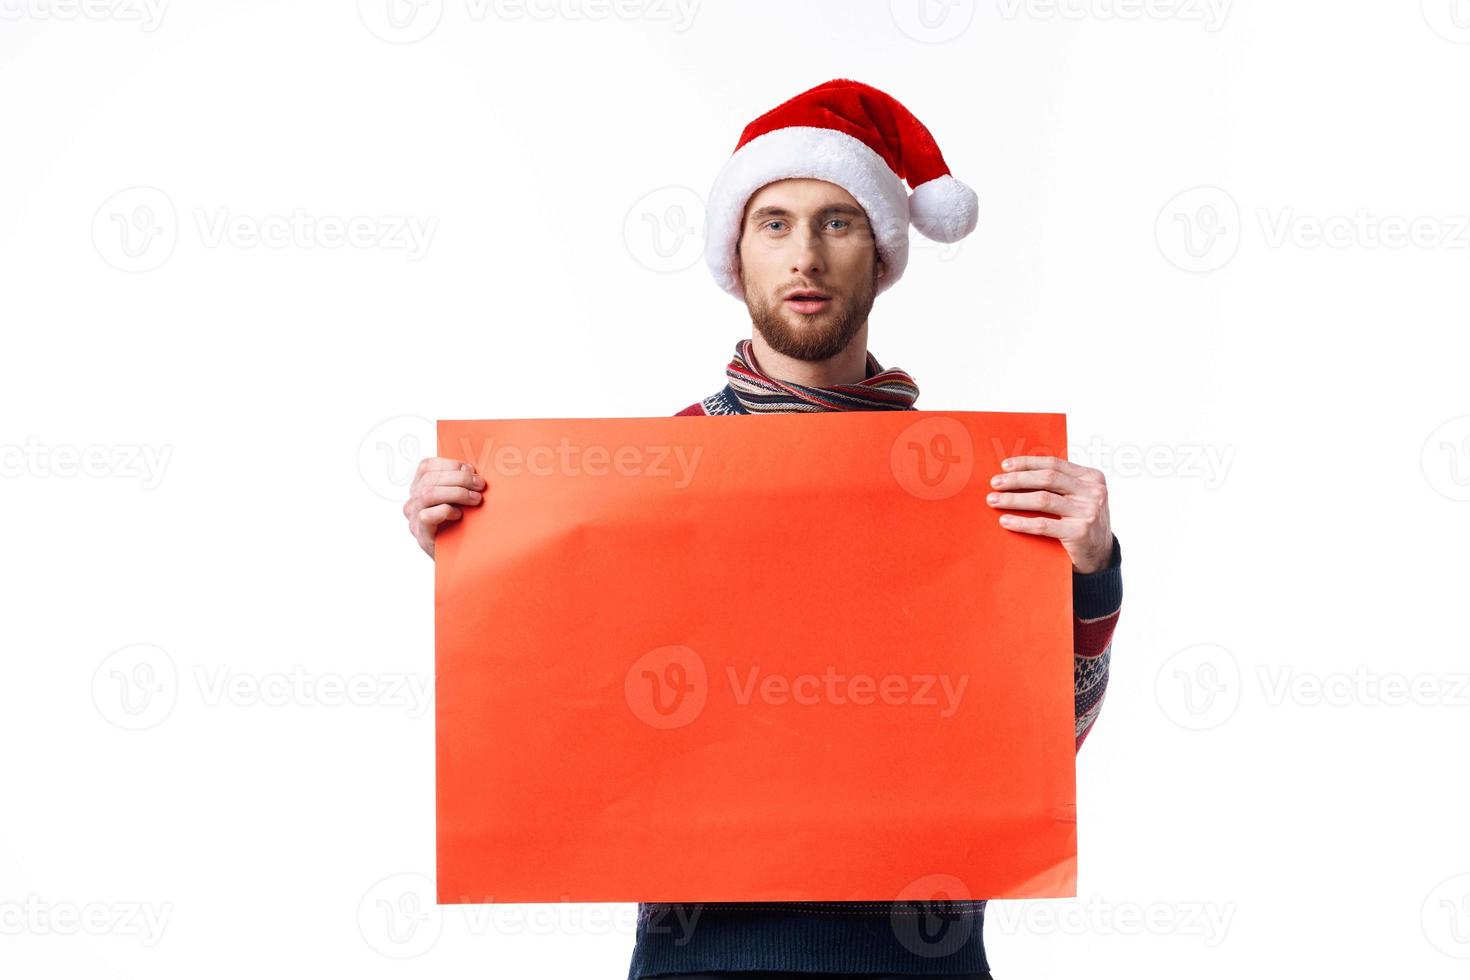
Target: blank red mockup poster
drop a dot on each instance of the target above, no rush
(788, 657)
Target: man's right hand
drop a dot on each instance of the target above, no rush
(438, 486)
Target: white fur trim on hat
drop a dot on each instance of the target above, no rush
(819, 153)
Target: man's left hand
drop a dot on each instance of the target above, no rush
(1077, 495)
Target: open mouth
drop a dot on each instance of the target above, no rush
(807, 301)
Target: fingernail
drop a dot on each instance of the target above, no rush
(992, 498)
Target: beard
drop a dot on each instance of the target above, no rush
(813, 336)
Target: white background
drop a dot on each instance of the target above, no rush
(1270, 375)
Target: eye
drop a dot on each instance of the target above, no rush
(773, 221)
(841, 221)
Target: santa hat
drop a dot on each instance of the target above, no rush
(855, 136)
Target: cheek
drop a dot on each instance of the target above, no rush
(760, 262)
(857, 258)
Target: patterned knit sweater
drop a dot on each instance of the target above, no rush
(864, 937)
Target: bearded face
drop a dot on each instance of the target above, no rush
(809, 266)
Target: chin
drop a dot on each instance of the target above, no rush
(832, 313)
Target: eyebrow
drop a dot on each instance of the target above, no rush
(771, 211)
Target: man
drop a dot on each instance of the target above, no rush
(807, 223)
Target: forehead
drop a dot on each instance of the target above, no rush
(800, 195)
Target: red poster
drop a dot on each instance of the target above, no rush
(788, 657)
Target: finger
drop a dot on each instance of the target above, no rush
(424, 495)
(1044, 479)
(1043, 500)
(438, 514)
(1051, 527)
(449, 495)
(439, 463)
(1019, 463)
(455, 478)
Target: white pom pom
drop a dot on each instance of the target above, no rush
(944, 209)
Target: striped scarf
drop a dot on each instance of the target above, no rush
(880, 390)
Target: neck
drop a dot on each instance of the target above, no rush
(848, 366)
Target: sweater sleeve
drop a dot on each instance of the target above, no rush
(1096, 600)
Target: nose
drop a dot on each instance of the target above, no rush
(809, 259)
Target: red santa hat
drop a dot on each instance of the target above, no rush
(855, 136)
